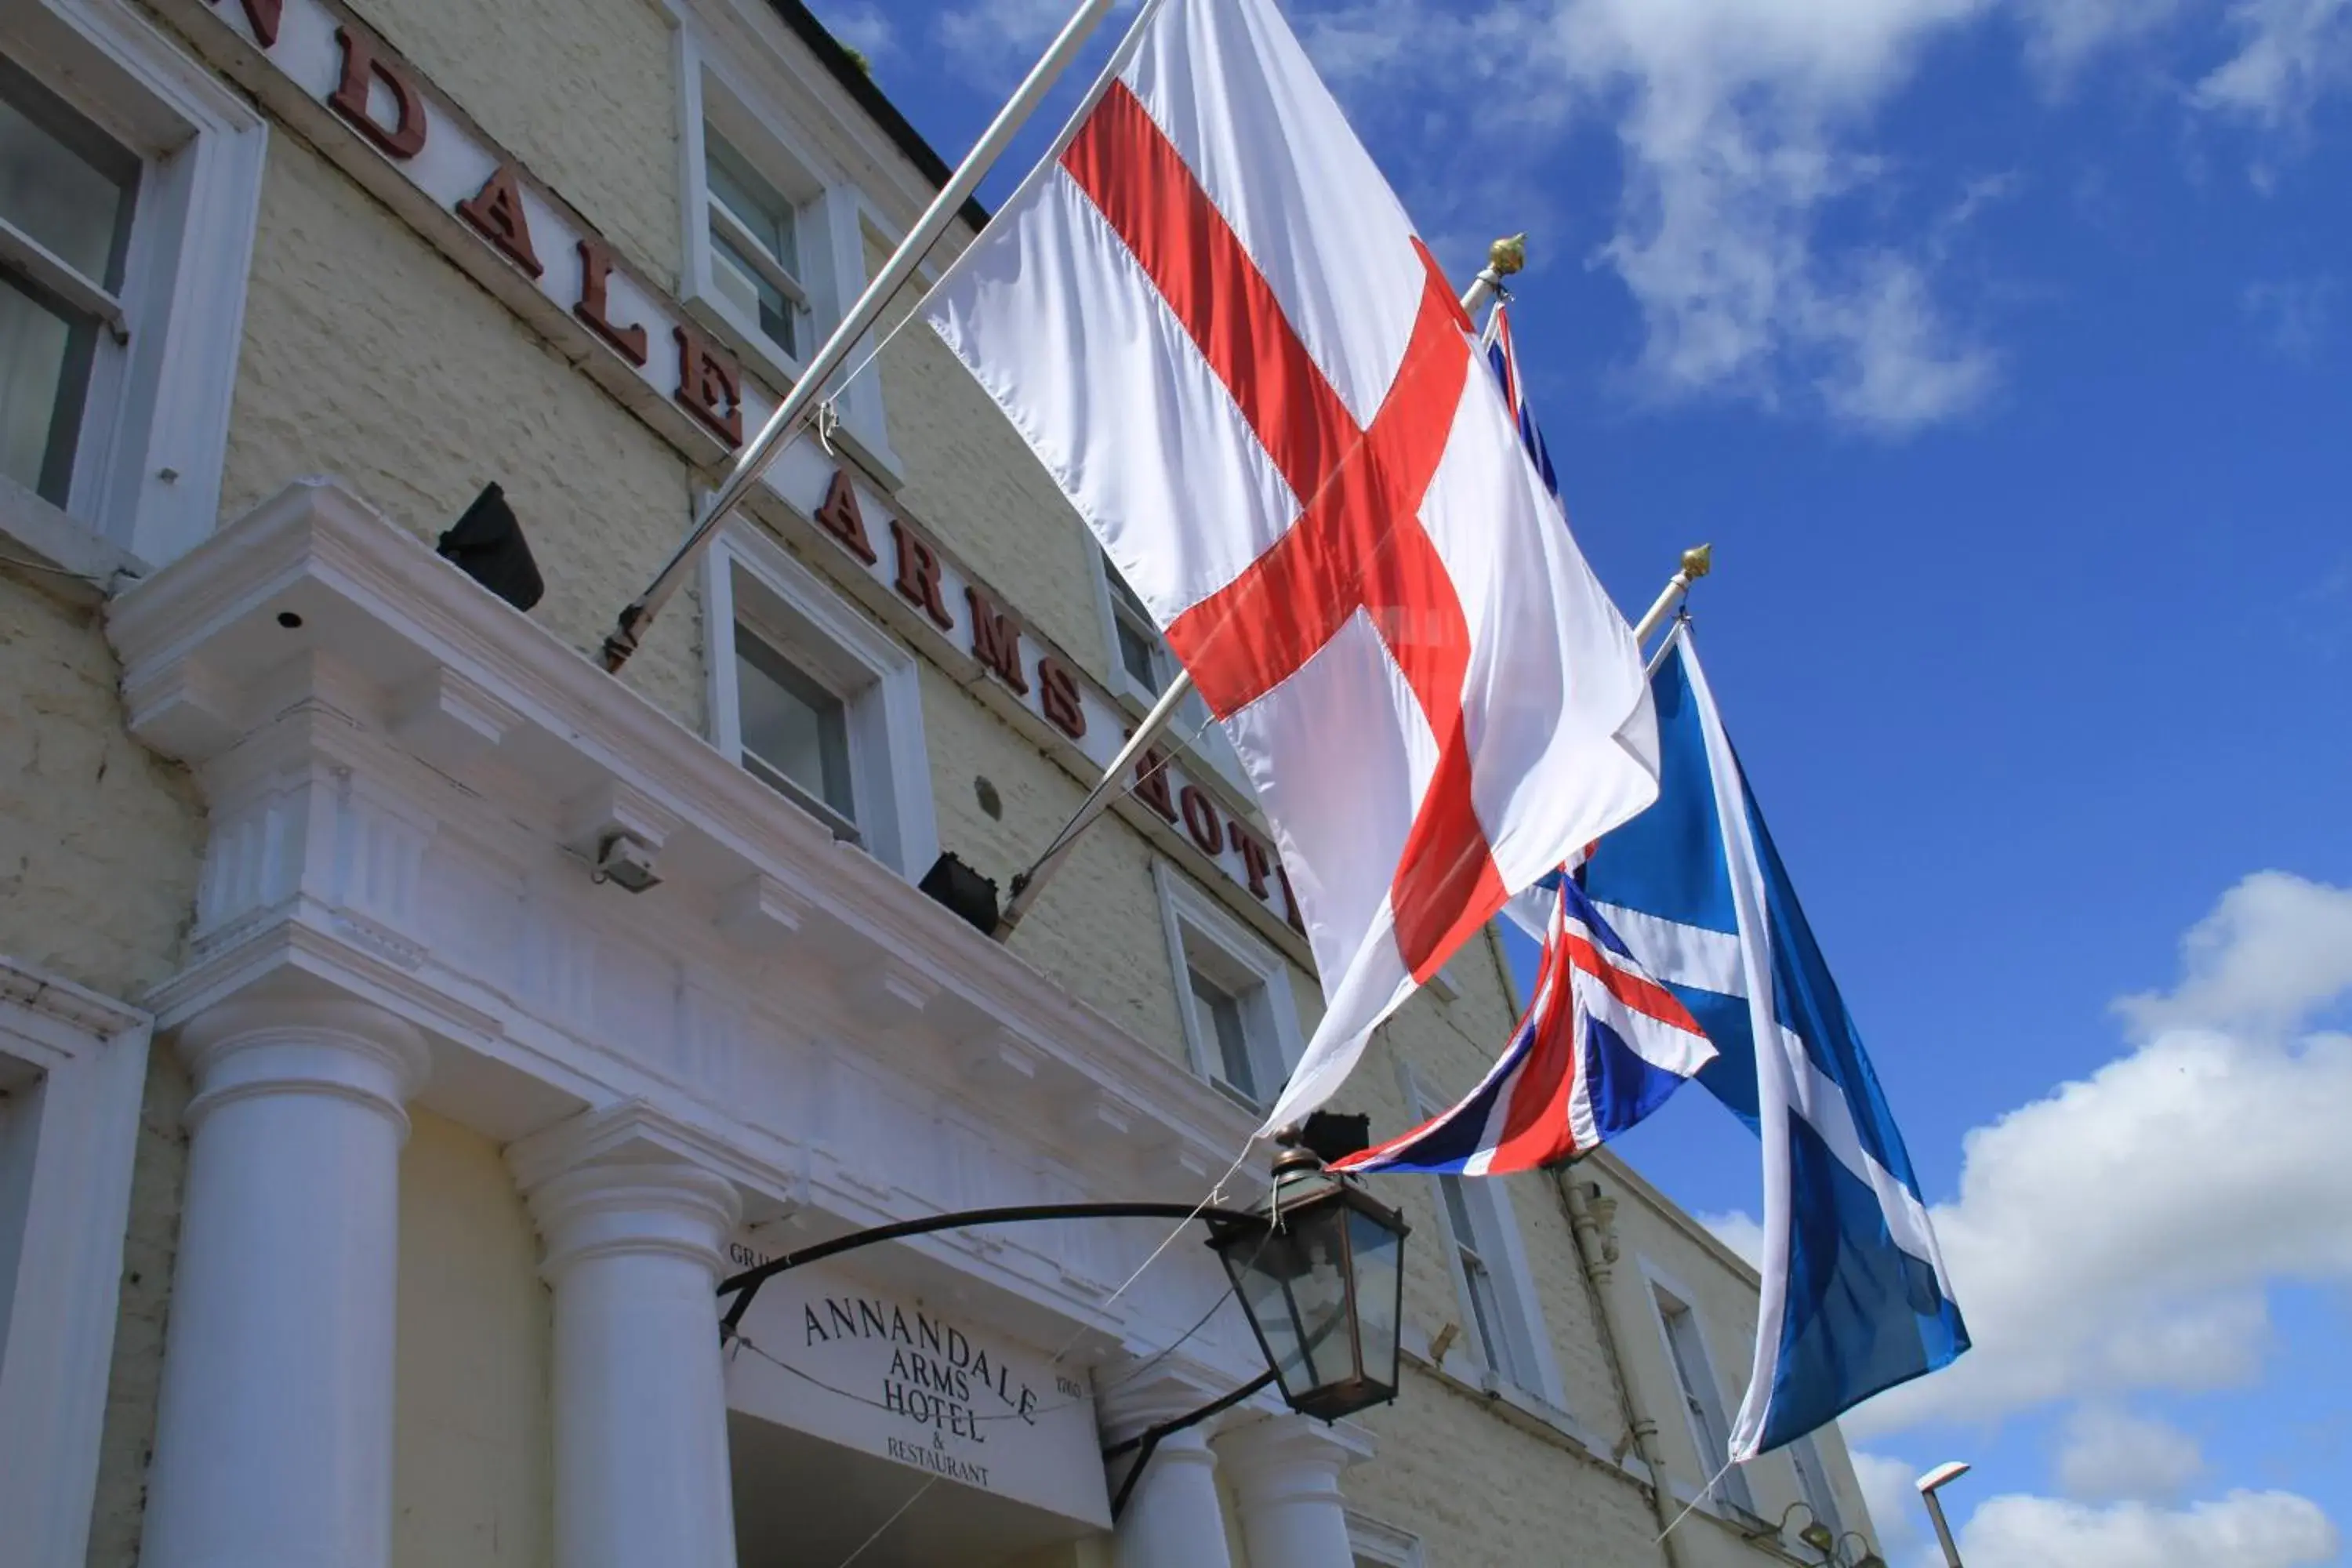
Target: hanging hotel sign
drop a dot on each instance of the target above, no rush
(901, 1378)
(392, 130)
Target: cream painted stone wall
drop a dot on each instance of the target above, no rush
(369, 355)
(584, 91)
(473, 1464)
(100, 840)
(1483, 1495)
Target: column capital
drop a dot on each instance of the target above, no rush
(339, 1046)
(1289, 1455)
(1161, 1393)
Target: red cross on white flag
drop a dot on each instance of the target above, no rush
(1213, 321)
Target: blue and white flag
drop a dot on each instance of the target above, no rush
(1855, 1297)
(1504, 357)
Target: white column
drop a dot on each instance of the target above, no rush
(1285, 1472)
(641, 1470)
(273, 1443)
(1173, 1518)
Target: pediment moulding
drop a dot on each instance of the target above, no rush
(408, 780)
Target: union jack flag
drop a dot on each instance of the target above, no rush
(1504, 355)
(1601, 1045)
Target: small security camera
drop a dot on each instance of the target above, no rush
(626, 861)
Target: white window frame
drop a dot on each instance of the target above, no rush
(1734, 1489)
(829, 224)
(1811, 1466)
(1275, 1041)
(80, 1062)
(1371, 1541)
(155, 429)
(1534, 1368)
(748, 576)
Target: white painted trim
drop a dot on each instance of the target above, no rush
(91, 1054)
(889, 759)
(1373, 1541)
(160, 402)
(1657, 1281)
(1185, 907)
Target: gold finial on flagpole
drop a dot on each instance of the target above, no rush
(1506, 257)
(1698, 561)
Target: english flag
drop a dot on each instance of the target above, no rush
(1211, 319)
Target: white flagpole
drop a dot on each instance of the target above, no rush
(1697, 562)
(1503, 257)
(807, 392)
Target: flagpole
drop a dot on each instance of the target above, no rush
(807, 392)
(1697, 562)
(1503, 257)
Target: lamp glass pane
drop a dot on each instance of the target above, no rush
(1379, 1283)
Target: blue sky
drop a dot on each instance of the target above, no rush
(2002, 349)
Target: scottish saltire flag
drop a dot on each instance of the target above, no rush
(1505, 357)
(1855, 1299)
(1213, 321)
(1602, 1044)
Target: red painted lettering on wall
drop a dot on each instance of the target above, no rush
(404, 137)
(496, 211)
(1257, 856)
(1289, 902)
(1200, 819)
(841, 517)
(709, 386)
(918, 575)
(262, 16)
(1152, 781)
(595, 303)
(996, 640)
(1057, 693)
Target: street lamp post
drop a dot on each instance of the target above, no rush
(1935, 1480)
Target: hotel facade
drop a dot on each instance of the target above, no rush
(371, 1150)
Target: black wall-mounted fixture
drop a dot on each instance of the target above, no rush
(1331, 1136)
(486, 544)
(963, 890)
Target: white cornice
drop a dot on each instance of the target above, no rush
(380, 618)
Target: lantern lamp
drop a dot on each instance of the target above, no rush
(1318, 1267)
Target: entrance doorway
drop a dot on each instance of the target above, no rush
(804, 1503)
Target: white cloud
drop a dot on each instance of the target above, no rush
(1739, 1232)
(2290, 53)
(2109, 1454)
(2122, 1233)
(1746, 131)
(994, 37)
(2293, 314)
(1890, 1493)
(2245, 1530)
(862, 26)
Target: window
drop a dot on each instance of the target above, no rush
(795, 731)
(1702, 1403)
(130, 180)
(1502, 1323)
(754, 255)
(68, 191)
(1374, 1544)
(775, 232)
(816, 701)
(71, 1068)
(1233, 994)
(1142, 667)
(1813, 1480)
